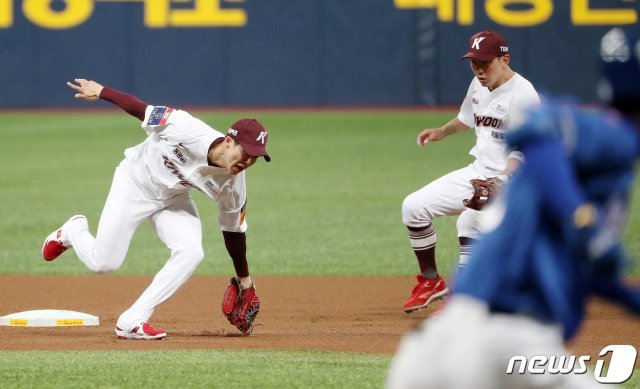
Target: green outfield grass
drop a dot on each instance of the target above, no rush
(328, 204)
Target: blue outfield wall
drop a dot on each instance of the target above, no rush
(293, 52)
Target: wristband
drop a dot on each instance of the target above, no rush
(504, 178)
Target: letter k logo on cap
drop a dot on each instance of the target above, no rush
(476, 42)
(262, 136)
(486, 45)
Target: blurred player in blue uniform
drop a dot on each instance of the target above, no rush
(551, 241)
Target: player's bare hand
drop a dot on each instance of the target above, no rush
(86, 89)
(429, 135)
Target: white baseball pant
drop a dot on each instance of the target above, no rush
(175, 221)
(469, 347)
(443, 197)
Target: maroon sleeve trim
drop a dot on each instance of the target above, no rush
(131, 104)
(236, 243)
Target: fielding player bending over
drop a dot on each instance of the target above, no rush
(152, 183)
(497, 95)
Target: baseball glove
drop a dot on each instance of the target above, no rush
(240, 306)
(483, 192)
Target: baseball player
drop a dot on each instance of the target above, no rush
(556, 241)
(496, 96)
(152, 183)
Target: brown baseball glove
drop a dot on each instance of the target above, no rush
(483, 192)
(240, 306)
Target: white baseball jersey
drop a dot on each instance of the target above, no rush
(173, 159)
(491, 113)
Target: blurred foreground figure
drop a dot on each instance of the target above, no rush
(552, 241)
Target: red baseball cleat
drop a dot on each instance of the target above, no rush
(144, 331)
(55, 244)
(426, 292)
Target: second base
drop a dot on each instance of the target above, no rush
(49, 318)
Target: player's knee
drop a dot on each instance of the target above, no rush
(198, 255)
(413, 211)
(192, 253)
(105, 268)
(105, 264)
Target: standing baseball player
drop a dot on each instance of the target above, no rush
(497, 95)
(555, 241)
(153, 183)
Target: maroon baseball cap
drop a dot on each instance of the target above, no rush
(486, 45)
(252, 136)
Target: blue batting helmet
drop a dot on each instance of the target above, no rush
(620, 69)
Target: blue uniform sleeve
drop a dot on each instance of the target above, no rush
(554, 177)
(547, 160)
(541, 123)
(605, 275)
(565, 145)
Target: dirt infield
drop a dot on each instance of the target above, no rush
(322, 313)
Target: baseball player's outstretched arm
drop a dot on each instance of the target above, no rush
(86, 89)
(434, 134)
(89, 90)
